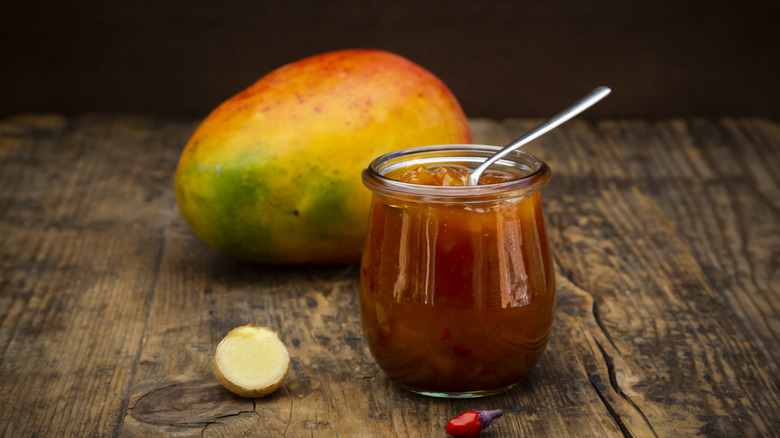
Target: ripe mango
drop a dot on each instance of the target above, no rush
(273, 174)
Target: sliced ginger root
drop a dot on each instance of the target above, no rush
(251, 361)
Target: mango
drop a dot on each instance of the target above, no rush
(272, 175)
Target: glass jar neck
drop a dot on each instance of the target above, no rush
(532, 173)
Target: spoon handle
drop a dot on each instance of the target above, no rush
(580, 106)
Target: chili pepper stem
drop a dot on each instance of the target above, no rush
(487, 417)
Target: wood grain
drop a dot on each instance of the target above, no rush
(85, 205)
(666, 238)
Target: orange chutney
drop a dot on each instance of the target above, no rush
(457, 289)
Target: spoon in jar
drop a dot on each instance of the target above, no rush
(562, 117)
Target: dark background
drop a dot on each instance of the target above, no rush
(500, 58)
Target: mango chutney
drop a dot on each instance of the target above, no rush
(457, 287)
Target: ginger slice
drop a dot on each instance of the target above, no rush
(251, 361)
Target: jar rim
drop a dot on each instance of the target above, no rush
(536, 174)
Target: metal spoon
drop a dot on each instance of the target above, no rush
(581, 105)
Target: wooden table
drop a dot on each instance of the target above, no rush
(667, 245)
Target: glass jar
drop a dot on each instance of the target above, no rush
(457, 286)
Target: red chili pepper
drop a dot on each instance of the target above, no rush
(471, 423)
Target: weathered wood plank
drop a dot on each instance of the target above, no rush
(677, 353)
(665, 235)
(84, 203)
(717, 184)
